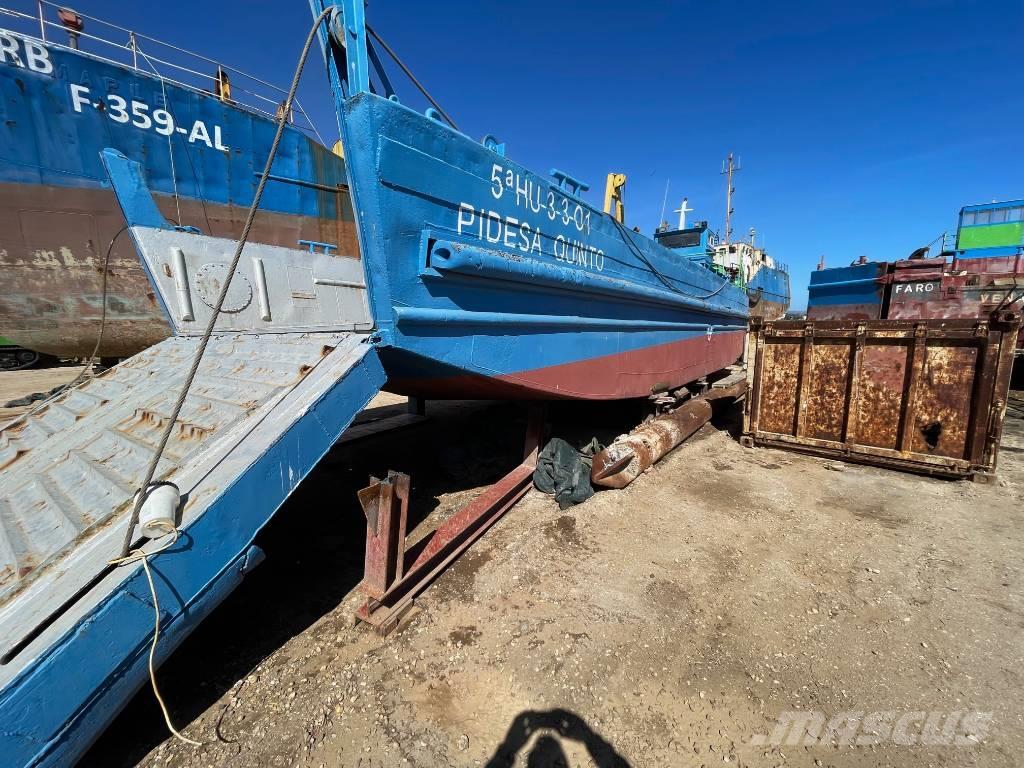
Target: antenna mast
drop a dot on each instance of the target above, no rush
(664, 202)
(728, 169)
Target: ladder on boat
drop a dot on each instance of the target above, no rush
(289, 367)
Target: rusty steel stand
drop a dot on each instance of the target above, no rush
(390, 583)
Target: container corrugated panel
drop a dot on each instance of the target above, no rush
(926, 396)
(67, 471)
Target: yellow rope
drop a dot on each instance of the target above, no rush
(138, 554)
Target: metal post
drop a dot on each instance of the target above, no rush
(386, 506)
(916, 357)
(752, 406)
(42, 24)
(806, 374)
(853, 407)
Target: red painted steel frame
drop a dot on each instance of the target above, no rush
(385, 504)
(389, 584)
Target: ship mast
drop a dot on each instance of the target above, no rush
(682, 210)
(728, 169)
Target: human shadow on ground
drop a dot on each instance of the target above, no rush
(555, 726)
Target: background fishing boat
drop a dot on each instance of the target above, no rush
(979, 271)
(765, 280)
(202, 131)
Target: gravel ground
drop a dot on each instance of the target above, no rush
(668, 624)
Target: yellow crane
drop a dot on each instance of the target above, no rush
(614, 189)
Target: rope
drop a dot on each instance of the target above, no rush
(717, 290)
(103, 312)
(411, 76)
(205, 340)
(134, 556)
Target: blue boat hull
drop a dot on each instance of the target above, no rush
(769, 293)
(58, 109)
(856, 292)
(488, 280)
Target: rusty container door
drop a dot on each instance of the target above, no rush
(926, 396)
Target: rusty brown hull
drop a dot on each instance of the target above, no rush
(769, 310)
(52, 246)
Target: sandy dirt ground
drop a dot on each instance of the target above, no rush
(668, 624)
(17, 384)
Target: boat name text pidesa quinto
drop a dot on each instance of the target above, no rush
(538, 199)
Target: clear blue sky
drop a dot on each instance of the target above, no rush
(862, 127)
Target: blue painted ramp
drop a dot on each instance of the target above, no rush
(289, 366)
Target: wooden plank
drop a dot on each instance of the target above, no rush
(365, 429)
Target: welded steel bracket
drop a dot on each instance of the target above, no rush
(386, 506)
(389, 581)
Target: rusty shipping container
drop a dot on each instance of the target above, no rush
(925, 396)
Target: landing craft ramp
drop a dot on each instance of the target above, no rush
(288, 368)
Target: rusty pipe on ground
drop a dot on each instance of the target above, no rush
(630, 456)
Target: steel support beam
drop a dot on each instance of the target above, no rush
(390, 583)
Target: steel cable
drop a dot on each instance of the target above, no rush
(184, 150)
(411, 76)
(205, 340)
(624, 234)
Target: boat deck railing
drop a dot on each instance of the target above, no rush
(170, 63)
(781, 266)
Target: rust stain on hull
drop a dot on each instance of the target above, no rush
(52, 245)
(769, 310)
